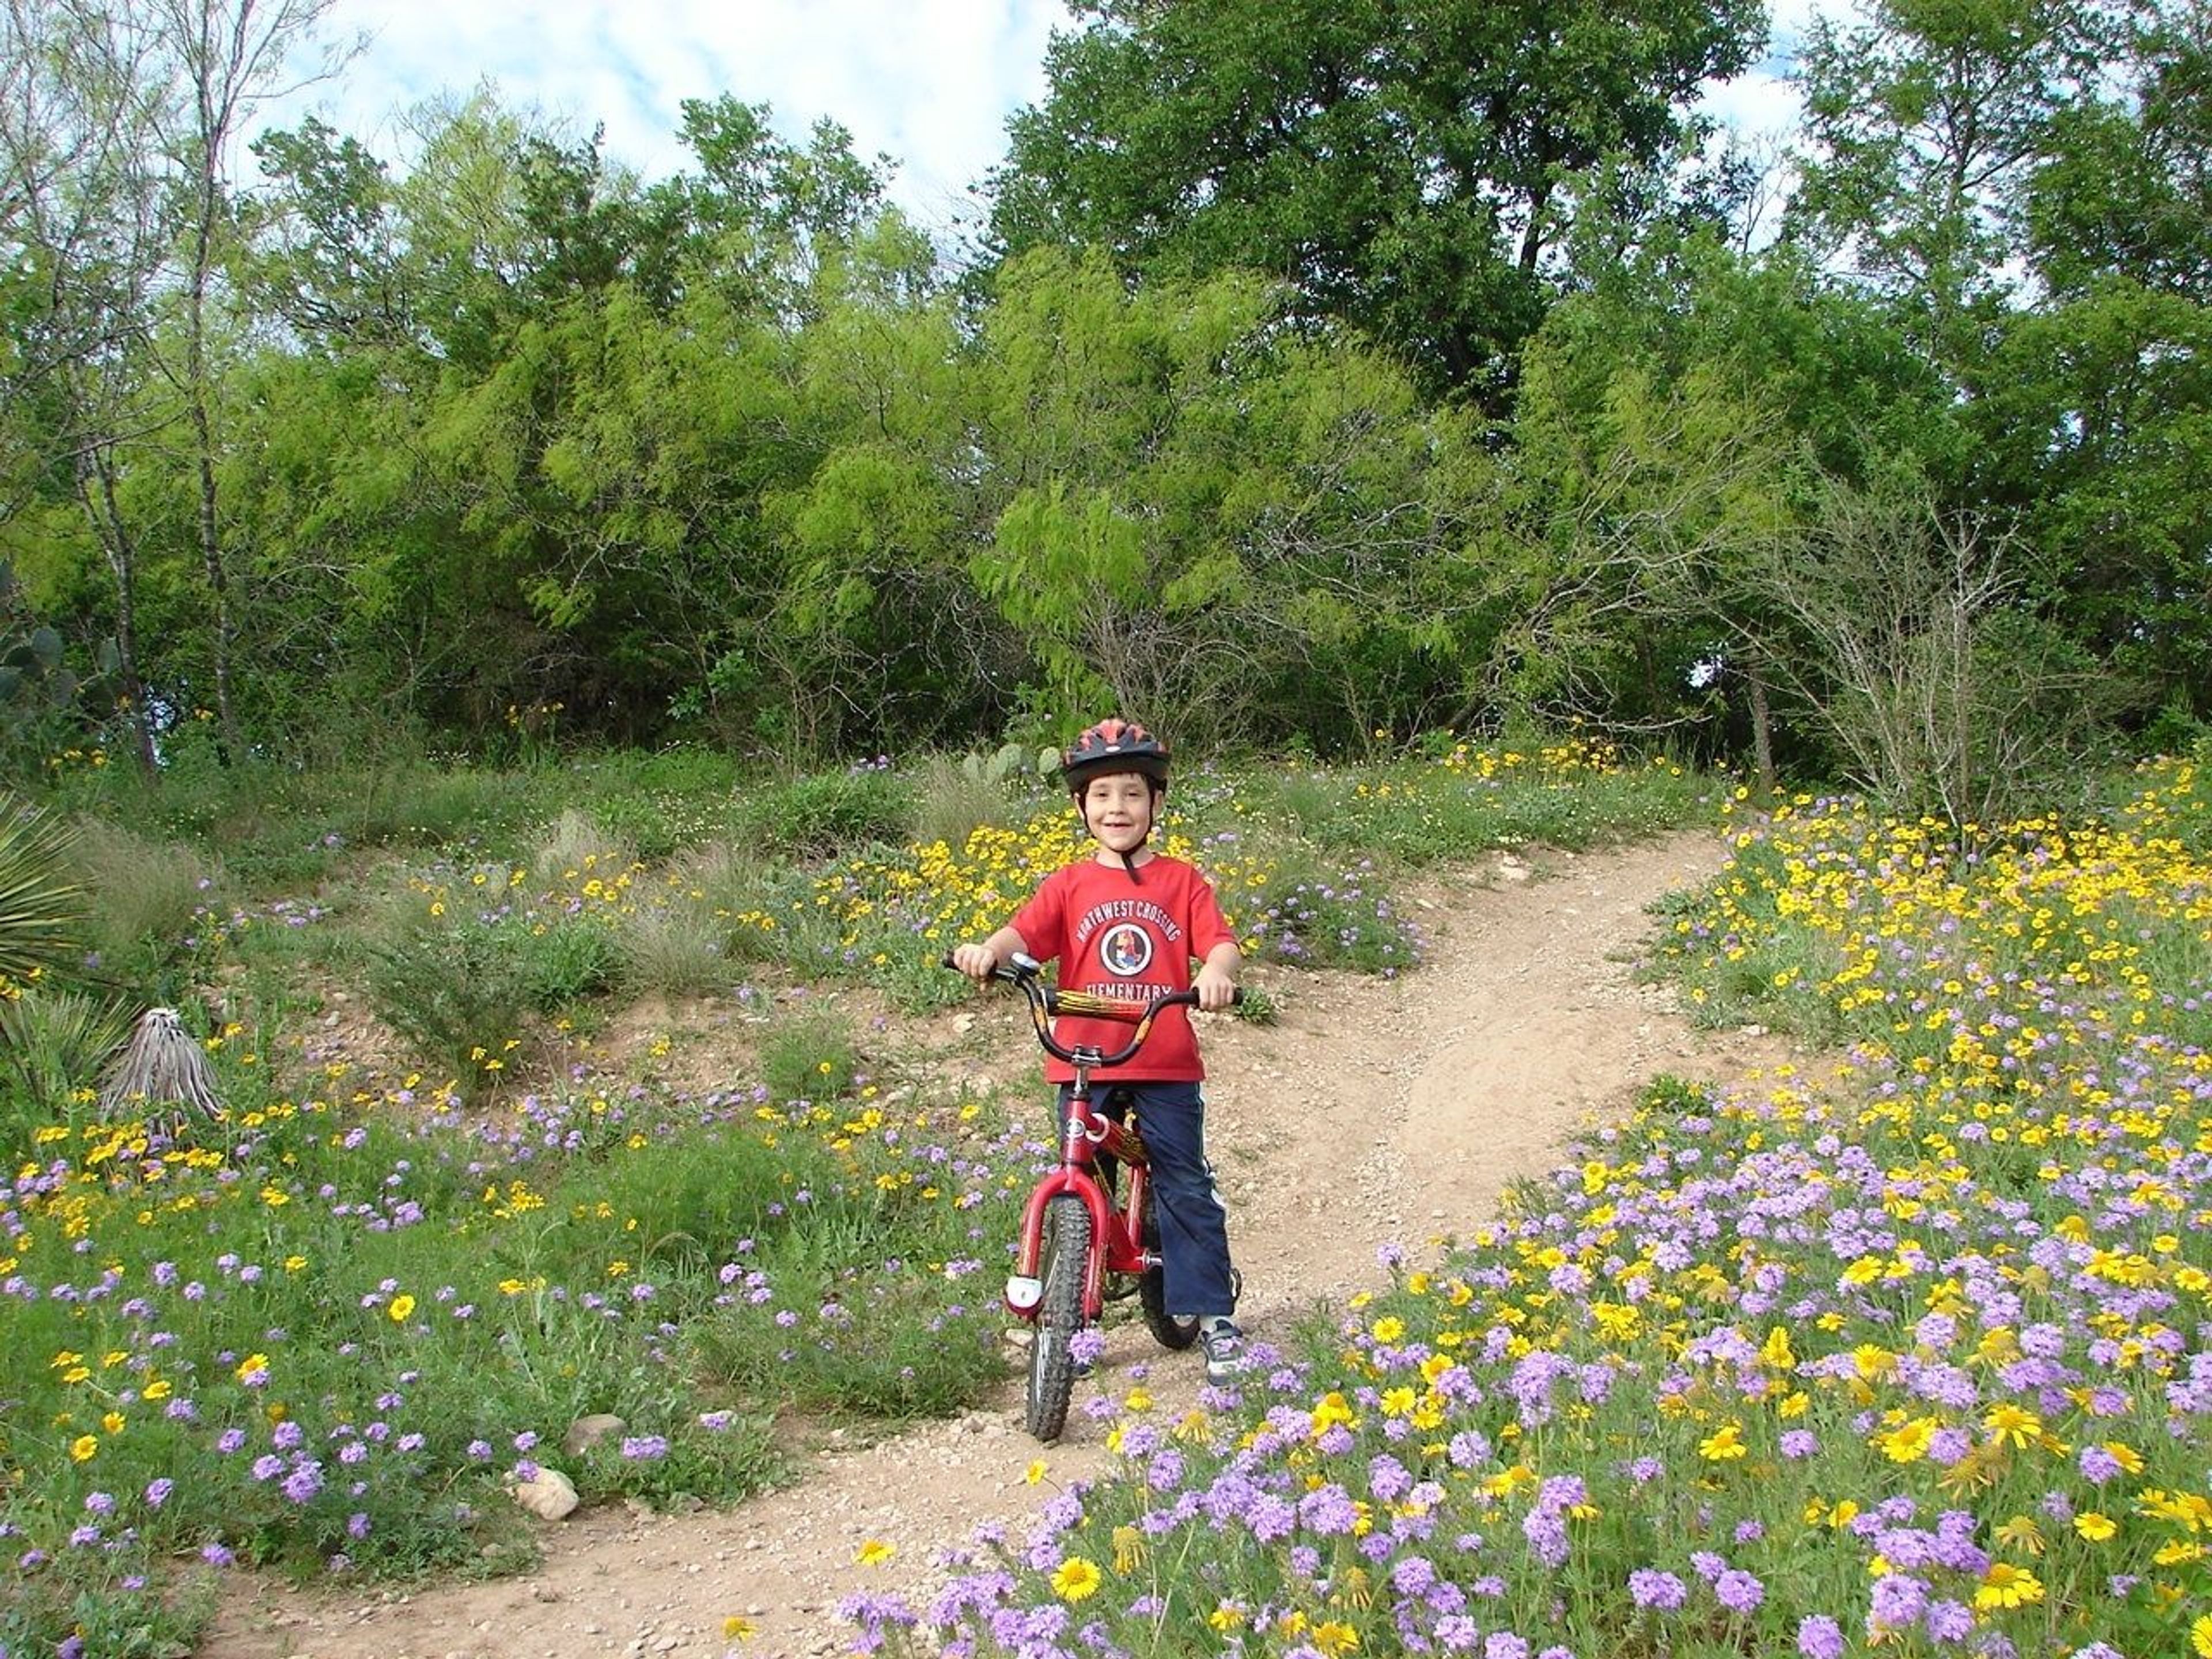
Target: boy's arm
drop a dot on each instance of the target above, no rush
(1217, 976)
(977, 961)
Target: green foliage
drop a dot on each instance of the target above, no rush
(809, 1056)
(530, 455)
(53, 1043)
(39, 908)
(126, 1614)
(1401, 166)
(698, 1465)
(824, 812)
(1307, 918)
(886, 1342)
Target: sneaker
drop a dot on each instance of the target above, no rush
(1226, 1355)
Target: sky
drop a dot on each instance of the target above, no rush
(928, 82)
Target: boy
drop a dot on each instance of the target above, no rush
(1128, 922)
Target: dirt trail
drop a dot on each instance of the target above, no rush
(1374, 1113)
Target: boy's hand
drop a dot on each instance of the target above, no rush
(1216, 990)
(977, 961)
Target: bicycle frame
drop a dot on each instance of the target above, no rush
(1084, 1134)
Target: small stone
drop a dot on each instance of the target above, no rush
(551, 1497)
(586, 1432)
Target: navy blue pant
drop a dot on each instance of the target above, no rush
(1193, 1227)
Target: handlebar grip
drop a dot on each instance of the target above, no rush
(1011, 976)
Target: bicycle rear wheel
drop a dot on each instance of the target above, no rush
(1169, 1331)
(1065, 1255)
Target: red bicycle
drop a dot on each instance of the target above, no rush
(1081, 1245)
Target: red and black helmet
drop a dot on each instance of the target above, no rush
(1114, 745)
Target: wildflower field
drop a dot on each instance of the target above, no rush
(1908, 1359)
(320, 1334)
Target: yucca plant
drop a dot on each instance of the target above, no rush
(39, 905)
(54, 1045)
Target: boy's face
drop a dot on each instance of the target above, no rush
(1119, 810)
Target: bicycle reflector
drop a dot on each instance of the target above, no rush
(1092, 1006)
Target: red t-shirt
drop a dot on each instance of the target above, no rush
(1123, 938)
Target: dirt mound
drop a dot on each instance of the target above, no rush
(1375, 1114)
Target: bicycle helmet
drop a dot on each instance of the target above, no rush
(1112, 746)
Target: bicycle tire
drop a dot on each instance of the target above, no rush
(1065, 1257)
(1170, 1332)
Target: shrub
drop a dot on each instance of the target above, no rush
(575, 842)
(825, 813)
(457, 993)
(53, 1043)
(956, 797)
(39, 908)
(810, 1055)
(676, 950)
(147, 896)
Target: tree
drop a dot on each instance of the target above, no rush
(2122, 187)
(1676, 417)
(1198, 513)
(1942, 692)
(1404, 165)
(229, 55)
(1924, 126)
(2094, 414)
(88, 232)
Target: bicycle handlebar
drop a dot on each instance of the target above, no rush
(1046, 1003)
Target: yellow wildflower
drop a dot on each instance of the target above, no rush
(2007, 1586)
(1723, 1445)
(1076, 1578)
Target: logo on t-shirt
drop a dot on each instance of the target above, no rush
(1126, 951)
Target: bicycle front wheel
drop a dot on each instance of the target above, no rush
(1064, 1260)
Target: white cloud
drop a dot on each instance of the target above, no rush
(928, 82)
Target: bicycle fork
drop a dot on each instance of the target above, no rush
(1083, 1136)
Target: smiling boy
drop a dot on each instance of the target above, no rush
(1129, 922)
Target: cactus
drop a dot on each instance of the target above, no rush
(1011, 762)
(39, 690)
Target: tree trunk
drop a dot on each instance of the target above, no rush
(1762, 732)
(196, 380)
(211, 557)
(107, 529)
